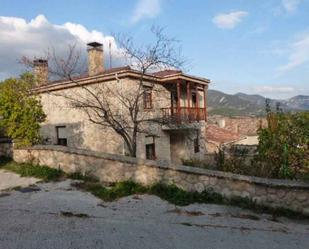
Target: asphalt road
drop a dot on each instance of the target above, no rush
(55, 215)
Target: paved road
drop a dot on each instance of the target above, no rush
(55, 215)
(10, 180)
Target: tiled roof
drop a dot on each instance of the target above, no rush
(167, 72)
(110, 74)
(107, 71)
(220, 135)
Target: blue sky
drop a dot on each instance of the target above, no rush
(256, 46)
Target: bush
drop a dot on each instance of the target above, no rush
(236, 161)
(283, 146)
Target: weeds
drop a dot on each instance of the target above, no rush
(177, 196)
(27, 169)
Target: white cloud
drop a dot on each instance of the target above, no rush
(290, 6)
(32, 39)
(146, 9)
(274, 89)
(298, 54)
(229, 20)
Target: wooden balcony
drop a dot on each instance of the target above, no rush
(183, 114)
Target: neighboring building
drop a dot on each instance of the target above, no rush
(242, 125)
(171, 94)
(217, 137)
(228, 131)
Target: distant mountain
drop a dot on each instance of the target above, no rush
(254, 105)
(299, 102)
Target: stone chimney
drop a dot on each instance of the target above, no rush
(40, 71)
(95, 58)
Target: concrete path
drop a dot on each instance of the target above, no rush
(10, 180)
(55, 215)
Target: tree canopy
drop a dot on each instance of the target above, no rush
(284, 144)
(21, 111)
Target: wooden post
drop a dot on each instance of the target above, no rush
(188, 94)
(178, 99)
(188, 100)
(205, 102)
(197, 103)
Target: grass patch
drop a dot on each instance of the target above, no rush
(114, 192)
(28, 170)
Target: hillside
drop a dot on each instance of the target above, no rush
(220, 103)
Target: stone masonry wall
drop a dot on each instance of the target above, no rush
(113, 168)
(83, 134)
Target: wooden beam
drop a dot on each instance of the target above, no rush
(178, 99)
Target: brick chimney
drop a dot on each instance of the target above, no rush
(40, 71)
(95, 58)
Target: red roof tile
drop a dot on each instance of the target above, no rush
(167, 72)
(107, 71)
(220, 135)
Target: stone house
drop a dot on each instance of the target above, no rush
(171, 94)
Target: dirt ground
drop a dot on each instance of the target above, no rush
(56, 215)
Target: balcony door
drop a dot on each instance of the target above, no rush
(193, 99)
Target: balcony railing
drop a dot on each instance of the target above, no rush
(183, 114)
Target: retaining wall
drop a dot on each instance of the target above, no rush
(113, 168)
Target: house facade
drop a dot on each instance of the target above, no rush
(178, 98)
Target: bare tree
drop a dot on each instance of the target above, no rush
(120, 106)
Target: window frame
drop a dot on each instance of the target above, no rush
(61, 141)
(154, 156)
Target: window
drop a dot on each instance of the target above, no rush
(61, 135)
(196, 145)
(147, 98)
(150, 148)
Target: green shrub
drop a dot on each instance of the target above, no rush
(236, 161)
(283, 148)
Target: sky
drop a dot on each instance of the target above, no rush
(252, 46)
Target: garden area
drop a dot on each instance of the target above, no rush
(282, 152)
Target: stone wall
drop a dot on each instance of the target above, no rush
(113, 168)
(6, 147)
